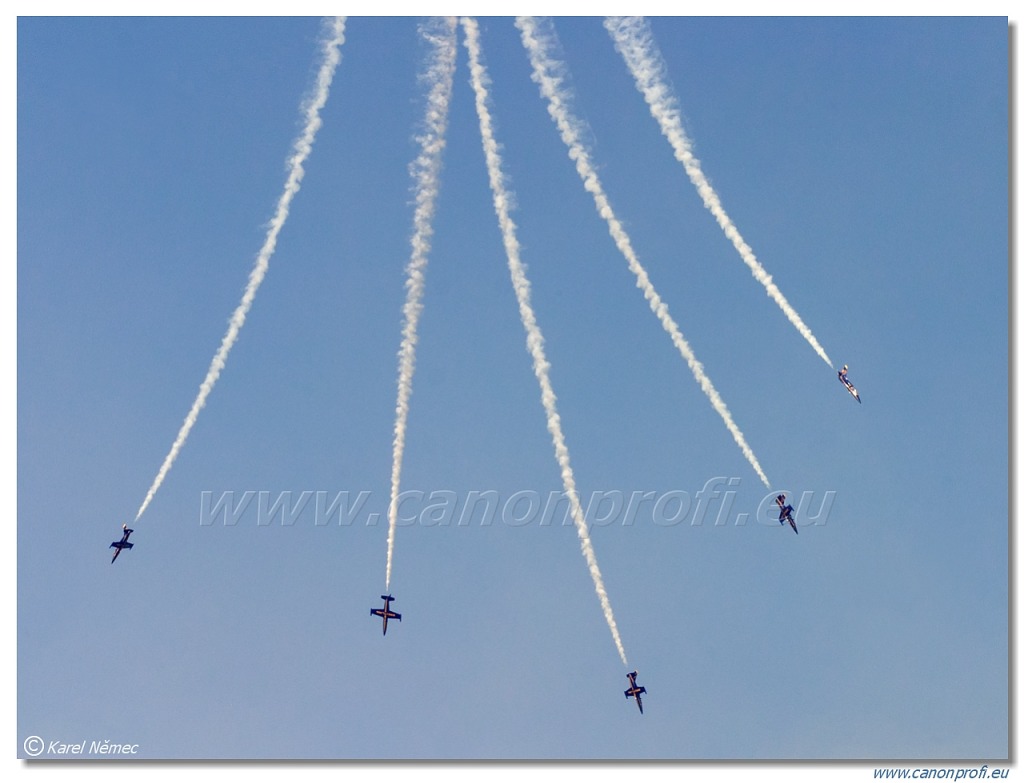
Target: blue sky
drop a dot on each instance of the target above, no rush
(864, 160)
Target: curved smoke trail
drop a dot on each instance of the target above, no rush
(426, 171)
(301, 149)
(547, 73)
(534, 338)
(634, 41)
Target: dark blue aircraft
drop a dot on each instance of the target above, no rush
(386, 612)
(123, 543)
(846, 382)
(786, 513)
(634, 691)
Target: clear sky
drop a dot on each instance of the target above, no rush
(864, 160)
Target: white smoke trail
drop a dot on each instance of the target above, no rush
(534, 338)
(634, 41)
(301, 149)
(547, 73)
(426, 171)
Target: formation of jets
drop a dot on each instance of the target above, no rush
(634, 691)
(786, 510)
(386, 612)
(124, 543)
(786, 513)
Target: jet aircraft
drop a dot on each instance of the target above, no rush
(124, 543)
(386, 612)
(786, 513)
(846, 382)
(634, 691)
